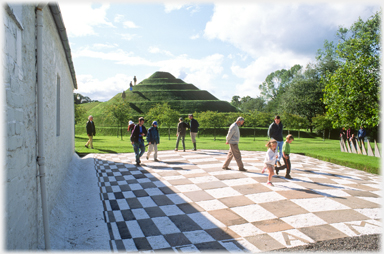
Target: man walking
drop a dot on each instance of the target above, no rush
(137, 140)
(194, 125)
(91, 131)
(275, 131)
(153, 139)
(233, 138)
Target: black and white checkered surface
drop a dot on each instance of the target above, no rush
(187, 203)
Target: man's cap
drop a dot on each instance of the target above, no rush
(240, 119)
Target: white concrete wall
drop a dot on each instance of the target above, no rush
(23, 219)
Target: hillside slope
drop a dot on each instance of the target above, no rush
(163, 87)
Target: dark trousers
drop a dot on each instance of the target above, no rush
(287, 165)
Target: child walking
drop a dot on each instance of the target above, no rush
(270, 159)
(153, 139)
(286, 152)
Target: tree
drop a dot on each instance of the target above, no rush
(255, 118)
(351, 93)
(248, 103)
(304, 94)
(209, 119)
(79, 114)
(292, 122)
(321, 122)
(275, 85)
(120, 112)
(164, 115)
(235, 101)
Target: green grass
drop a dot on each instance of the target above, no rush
(328, 150)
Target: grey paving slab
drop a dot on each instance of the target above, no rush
(187, 202)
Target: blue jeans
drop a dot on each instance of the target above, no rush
(280, 148)
(139, 149)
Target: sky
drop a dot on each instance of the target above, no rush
(227, 48)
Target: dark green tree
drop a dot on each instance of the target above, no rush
(80, 114)
(236, 102)
(352, 92)
(164, 115)
(303, 96)
(119, 112)
(210, 119)
(275, 85)
(322, 123)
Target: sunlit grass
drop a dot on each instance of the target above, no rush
(328, 150)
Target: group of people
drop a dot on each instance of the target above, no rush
(349, 135)
(138, 132)
(277, 148)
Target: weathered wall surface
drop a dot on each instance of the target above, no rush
(23, 219)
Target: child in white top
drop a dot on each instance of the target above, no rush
(270, 159)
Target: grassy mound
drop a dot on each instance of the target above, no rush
(159, 88)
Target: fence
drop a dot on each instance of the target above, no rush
(359, 148)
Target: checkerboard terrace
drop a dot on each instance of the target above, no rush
(187, 202)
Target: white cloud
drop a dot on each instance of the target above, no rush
(194, 37)
(172, 6)
(156, 50)
(255, 73)
(263, 28)
(87, 18)
(192, 8)
(129, 24)
(102, 90)
(200, 72)
(104, 46)
(119, 18)
(277, 36)
(118, 56)
(129, 37)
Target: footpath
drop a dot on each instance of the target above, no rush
(187, 202)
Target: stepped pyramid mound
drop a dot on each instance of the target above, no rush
(163, 87)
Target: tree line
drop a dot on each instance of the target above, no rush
(341, 89)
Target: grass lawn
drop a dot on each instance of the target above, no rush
(328, 150)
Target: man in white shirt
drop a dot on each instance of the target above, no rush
(233, 138)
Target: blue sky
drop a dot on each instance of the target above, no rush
(223, 47)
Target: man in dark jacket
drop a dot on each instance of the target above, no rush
(275, 131)
(194, 125)
(91, 131)
(137, 140)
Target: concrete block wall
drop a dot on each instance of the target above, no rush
(58, 148)
(23, 216)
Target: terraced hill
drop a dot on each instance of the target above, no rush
(163, 87)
